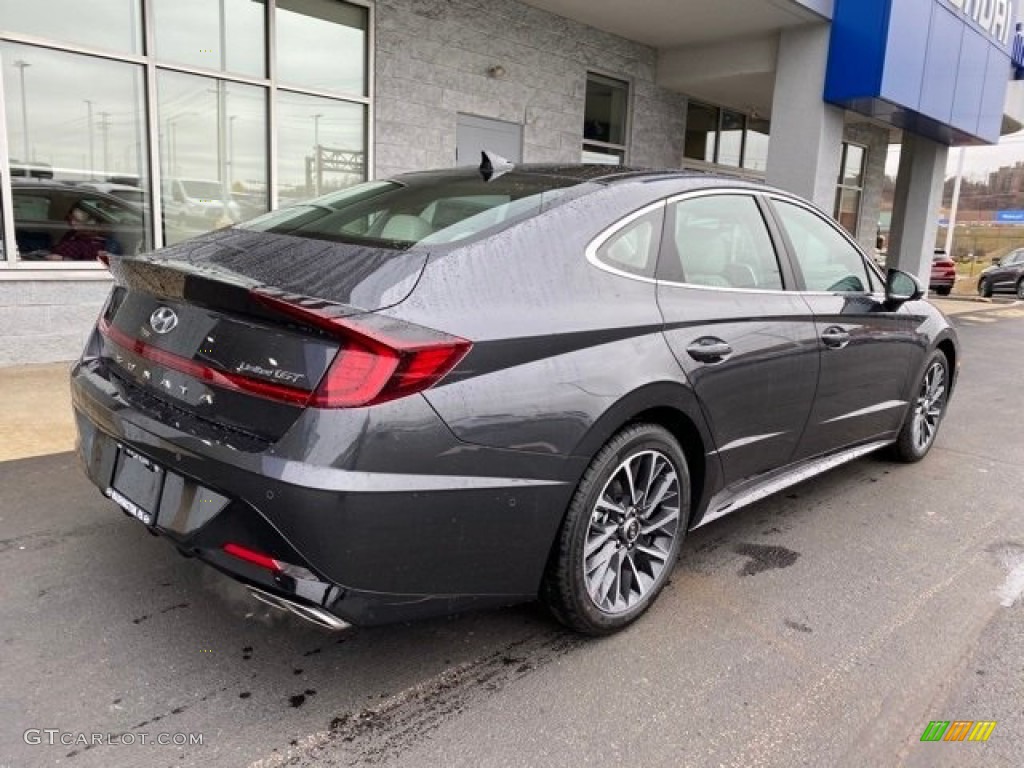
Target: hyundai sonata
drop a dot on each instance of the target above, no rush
(477, 387)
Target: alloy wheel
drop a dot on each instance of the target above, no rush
(633, 525)
(928, 407)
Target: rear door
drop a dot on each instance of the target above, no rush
(868, 351)
(747, 345)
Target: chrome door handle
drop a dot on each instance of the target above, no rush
(709, 350)
(835, 337)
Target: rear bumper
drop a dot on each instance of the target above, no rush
(391, 522)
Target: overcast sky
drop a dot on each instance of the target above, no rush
(979, 162)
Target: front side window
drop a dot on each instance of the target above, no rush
(827, 260)
(721, 241)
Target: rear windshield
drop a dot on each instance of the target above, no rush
(421, 211)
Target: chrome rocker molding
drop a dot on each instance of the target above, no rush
(310, 613)
(726, 501)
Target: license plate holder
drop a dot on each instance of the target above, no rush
(136, 485)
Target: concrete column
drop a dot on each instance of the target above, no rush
(915, 209)
(807, 133)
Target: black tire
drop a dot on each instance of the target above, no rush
(1020, 289)
(924, 417)
(635, 543)
(984, 288)
(943, 290)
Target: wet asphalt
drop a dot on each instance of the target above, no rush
(825, 626)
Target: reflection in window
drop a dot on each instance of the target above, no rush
(722, 241)
(850, 187)
(225, 35)
(604, 120)
(755, 150)
(112, 24)
(321, 44)
(827, 261)
(73, 119)
(730, 139)
(701, 132)
(321, 145)
(213, 153)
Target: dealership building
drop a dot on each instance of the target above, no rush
(166, 118)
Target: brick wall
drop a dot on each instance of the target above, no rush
(47, 321)
(432, 62)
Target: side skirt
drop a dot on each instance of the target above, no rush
(726, 500)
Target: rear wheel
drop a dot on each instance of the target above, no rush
(620, 538)
(984, 288)
(1020, 289)
(926, 412)
(943, 290)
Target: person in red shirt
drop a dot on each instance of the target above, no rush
(84, 241)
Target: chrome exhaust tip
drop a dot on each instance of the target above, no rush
(310, 613)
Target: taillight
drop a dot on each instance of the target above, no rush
(267, 562)
(380, 358)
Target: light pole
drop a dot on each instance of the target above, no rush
(92, 153)
(22, 65)
(105, 128)
(231, 150)
(316, 154)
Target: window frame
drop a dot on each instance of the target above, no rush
(597, 242)
(842, 186)
(13, 268)
(627, 128)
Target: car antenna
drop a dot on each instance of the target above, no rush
(493, 165)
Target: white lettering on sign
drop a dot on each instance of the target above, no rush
(993, 16)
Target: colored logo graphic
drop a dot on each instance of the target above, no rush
(958, 730)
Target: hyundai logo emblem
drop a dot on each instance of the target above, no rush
(163, 320)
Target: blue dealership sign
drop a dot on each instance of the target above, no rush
(938, 68)
(1010, 217)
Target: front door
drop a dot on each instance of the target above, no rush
(869, 353)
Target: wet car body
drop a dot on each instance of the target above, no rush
(452, 497)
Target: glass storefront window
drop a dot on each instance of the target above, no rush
(321, 45)
(701, 132)
(76, 132)
(225, 35)
(599, 156)
(320, 145)
(112, 24)
(730, 139)
(755, 152)
(850, 187)
(213, 153)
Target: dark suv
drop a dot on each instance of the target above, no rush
(1005, 276)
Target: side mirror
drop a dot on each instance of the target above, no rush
(901, 287)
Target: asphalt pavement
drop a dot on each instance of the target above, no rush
(826, 626)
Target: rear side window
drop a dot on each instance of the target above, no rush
(828, 261)
(634, 247)
(720, 241)
(423, 210)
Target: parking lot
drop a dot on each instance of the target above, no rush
(824, 626)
